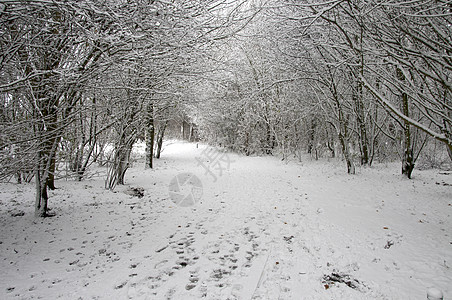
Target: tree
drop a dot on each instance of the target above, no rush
(47, 57)
(412, 42)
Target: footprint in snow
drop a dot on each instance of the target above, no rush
(193, 280)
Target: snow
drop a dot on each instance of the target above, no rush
(434, 293)
(263, 229)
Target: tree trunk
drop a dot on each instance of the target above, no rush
(160, 136)
(52, 169)
(117, 170)
(190, 137)
(150, 135)
(347, 156)
(182, 130)
(311, 136)
(42, 171)
(41, 191)
(330, 143)
(123, 163)
(359, 103)
(449, 151)
(449, 137)
(246, 143)
(343, 134)
(52, 142)
(408, 159)
(84, 165)
(361, 124)
(269, 142)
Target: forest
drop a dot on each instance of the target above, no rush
(83, 81)
(225, 149)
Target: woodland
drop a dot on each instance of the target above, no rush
(81, 82)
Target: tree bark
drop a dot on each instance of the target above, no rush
(361, 124)
(182, 130)
(123, 163)
(117, 170)
(42, 171)
(160, 136)
(449, 151)
(345, 150)
(150, 135)
(41, 191)
(408, 159)
(311, 135)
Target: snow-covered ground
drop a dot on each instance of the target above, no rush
(263, 229)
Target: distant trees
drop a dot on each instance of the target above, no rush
(368, 78)
(398, 52)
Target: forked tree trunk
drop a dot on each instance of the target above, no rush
(121, 161)
(348, 158)
(160, 135)
(343, 135)
(42, 171)
(84, 164)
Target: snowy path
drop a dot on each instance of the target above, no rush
(264, 230)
